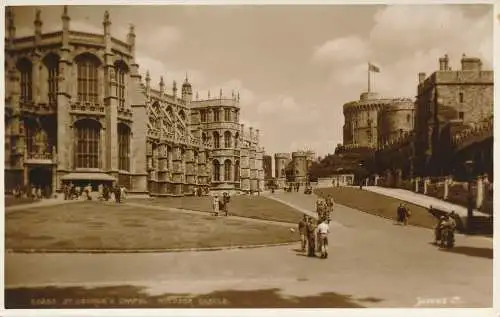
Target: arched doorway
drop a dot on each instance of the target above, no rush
(41, 177)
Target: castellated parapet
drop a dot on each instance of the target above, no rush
(363, 118)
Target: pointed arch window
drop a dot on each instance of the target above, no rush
(216, 115)
(227, 170)
(227, 114)
(123, 147)
(25, 69)
(87, 77)
(87, 143)
(121, 71)
(52, 64)
(227, 139)
(216, 171)
(237, 171)
(216, 140)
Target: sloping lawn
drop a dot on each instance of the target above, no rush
(377, 204)
(103, 226)
(258, 207)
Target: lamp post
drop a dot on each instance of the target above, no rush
(470, 200)
(360, 174)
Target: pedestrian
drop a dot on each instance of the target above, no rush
(226, 200)
(123, 193)
(117, 194)
(105, 192)
(215, 205)
(400, 214)
(303, 231)
(311, 245)
(33, 193)
(323, 230)
(406, 214)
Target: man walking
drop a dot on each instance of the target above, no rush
(323, 230)
(225, 201)
(303, 231)
(311, 245)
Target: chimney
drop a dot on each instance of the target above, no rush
(443, 63)
(421, 78)
(471, 63)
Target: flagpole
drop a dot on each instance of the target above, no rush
(369, 84)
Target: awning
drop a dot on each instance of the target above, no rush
(88, 177)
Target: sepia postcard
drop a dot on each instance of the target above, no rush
(214, 156)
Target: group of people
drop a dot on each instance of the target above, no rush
(33, 192)
(314, 236)
(292, 186)
(221, 204)
(324, 207)
(445, 223)
(105, 192)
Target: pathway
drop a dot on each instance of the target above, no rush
(421, 200)
(372, 262)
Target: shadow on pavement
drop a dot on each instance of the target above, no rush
(471, 251)
(127, 296)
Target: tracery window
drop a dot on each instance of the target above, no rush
(216, 139)
(216, 171)
(227, 139)
(26, 71)
(52, 64)
(227, 170)
(123, 147)
(120, 76)
(87, 143)
(87, 77)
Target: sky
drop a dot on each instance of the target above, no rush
(294, 66)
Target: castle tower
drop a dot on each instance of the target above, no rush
(281, 161)
(299, 163)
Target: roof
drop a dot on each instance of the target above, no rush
(88, 176)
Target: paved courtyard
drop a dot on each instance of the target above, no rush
(372, 263)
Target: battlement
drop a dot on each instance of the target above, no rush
(399, 105)
(299, 154)
(374, 104)
(282, 156)
(216, 102)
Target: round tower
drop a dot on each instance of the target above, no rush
(300, 169)
(395, 120)
(281, 161)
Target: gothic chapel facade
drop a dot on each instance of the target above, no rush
(77, 111)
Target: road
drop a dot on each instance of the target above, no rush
(372, 263)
